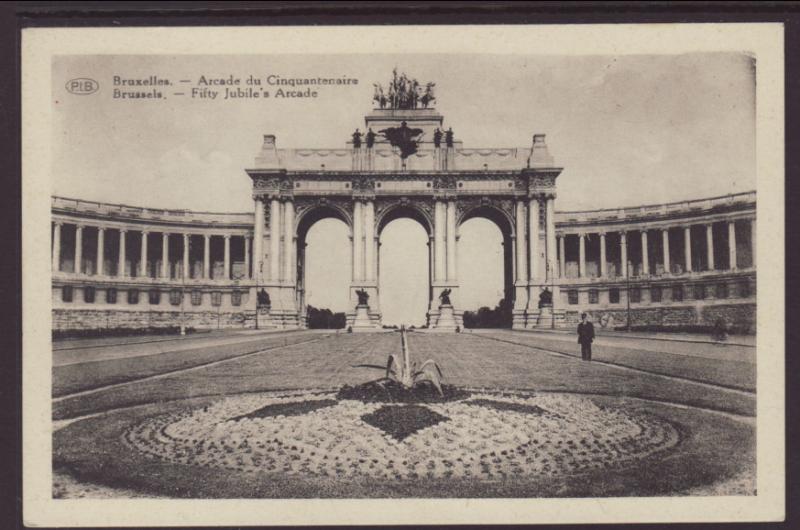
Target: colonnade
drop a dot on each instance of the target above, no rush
(164, 271)
(666, 257)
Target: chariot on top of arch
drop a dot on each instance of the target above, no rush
(404, 92)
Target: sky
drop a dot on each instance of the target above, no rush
(628, 129)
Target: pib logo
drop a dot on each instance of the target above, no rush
(82, 86)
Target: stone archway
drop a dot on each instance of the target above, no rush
(389, 258)
(307, 219)
(500, 218)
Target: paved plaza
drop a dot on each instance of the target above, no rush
(703, 393)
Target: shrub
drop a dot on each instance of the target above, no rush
(324, 319)
(499, 317)
(117, 332)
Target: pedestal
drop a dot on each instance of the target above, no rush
(446, 320)
(362, 321)
(547, 318)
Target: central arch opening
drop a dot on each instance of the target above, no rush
(404, 275)
(323, 261)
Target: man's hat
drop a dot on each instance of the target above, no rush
(583, 315)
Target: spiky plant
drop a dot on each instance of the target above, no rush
(408, 374)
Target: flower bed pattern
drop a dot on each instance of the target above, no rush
(486, 436)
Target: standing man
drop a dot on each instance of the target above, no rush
(585, 337)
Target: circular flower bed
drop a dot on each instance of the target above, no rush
(485, 435)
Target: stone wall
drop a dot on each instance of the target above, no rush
(741, 316)
(70, 319)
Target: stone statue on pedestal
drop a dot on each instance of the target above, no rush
(370, 139)
(357, 139)
(437, 138)
(262, 298)
(444, 297)
(545, 298)
(363, 297)
(448, 137)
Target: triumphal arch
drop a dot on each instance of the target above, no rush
(406, 162)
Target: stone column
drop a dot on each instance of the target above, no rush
(732, 245)
(439, 240)
(56, 247)
(274, 240)
(358, 241)
(288, 241)
(623, 253)
(645, 256)
(603, 264)
(186, 240)
(207, 256)
(164, 255)
(665, 248)
(562, 256)
(710, 246)
(101, 243)
(78, 248)
(582, 255)
(258, 240)
(687, 247)
(247, 274)
(369, 241)
(550, 222)
(376, 246)
(451, 240)
(143, 255)
(121, 254)
(522, 267)
(753, 239)
(533, 235)
(227, 256)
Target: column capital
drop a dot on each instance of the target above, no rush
(601, 233)
(58, 222)
(207, 236)
(145, 232)
(123, 230)
(226, 236)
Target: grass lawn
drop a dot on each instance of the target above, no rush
(467, 360)
(730, 373)
(72, 378)
(323, 363)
